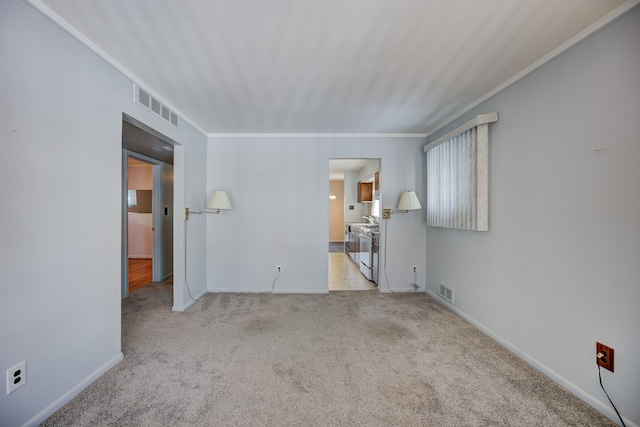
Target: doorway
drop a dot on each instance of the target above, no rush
(147, 208)
(347, 209)
(140, 230)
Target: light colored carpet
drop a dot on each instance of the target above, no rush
(343, 359)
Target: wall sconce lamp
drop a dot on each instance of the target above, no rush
(219, 201)
(408, 202)
(332, 196)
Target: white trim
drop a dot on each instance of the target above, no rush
(179, 289)
(156, 215)
(189, 303)
(480, 119)
(317, 135)
(124, 226)
(156, 218)
(73, 392)
(621, 10)
(385, 290)
(268, 291)
(598, 405)
(582, 35)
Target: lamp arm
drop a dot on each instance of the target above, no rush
(387, 212)
(188, 212)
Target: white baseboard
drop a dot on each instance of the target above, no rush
(73, 392)
(599, 406)
(268, 291)
(189, 303)
(385, 290)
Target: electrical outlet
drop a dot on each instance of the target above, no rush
(606, 361)
(16, 376)
(279, 268)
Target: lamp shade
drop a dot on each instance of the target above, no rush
(219, 200)
(409, 201)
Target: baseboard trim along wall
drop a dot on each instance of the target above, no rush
(73, 392)
(189, 303)
(268, 291)
(580, 393)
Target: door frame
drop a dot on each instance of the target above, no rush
(156, 219)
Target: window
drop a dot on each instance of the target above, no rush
(458, 176)
(131, 198)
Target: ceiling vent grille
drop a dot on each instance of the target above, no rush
(145, 99)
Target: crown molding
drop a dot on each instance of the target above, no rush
(609, 18)
(316, 135)
(57, 20)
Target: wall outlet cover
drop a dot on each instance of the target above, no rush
(605, 361)
(16, 376)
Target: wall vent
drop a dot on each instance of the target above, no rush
(145, 99)
(446, 293)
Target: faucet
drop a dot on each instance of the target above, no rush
(370, 219)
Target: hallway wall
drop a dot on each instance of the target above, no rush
(336, 212)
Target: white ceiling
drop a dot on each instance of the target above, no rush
(329, 66)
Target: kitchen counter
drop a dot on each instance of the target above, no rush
(374, 228)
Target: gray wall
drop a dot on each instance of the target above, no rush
(564, 208)
(278, 188)
(61, 113)
(560, 267)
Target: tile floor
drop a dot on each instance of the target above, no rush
(345, 276)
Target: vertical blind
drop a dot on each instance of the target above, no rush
(458, 177)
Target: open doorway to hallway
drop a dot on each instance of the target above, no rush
(354, 200)
(140, 228)
(147, 221)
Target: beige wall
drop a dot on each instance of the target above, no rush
(336, 212)
(140, 241)
(140, 175)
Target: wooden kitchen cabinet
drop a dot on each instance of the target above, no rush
(365, 192)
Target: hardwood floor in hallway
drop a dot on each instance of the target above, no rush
(140, 273)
